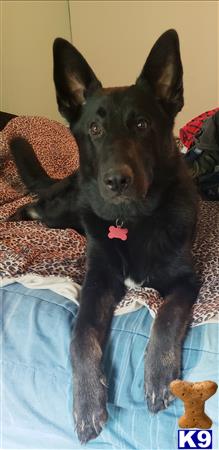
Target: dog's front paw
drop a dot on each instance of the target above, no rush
(27, 212)
(158, 376)
(158, 395)
(90, 414)
(17, 216)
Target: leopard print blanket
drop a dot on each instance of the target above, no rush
(31, 248)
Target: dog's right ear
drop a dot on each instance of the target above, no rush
(74, 79)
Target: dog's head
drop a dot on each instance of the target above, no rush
(124, 134)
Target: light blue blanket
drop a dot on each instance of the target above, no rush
(37, 381)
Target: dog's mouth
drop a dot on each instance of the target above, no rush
(124, 198)
(119, 199)
(120, 186)
(126, 205)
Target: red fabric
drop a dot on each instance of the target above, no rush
(191, 129)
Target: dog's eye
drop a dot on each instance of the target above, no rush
(95, 129)
(141, 124)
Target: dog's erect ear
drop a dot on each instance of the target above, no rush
(74, 79)
(163, 71)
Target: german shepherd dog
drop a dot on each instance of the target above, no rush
(136, 204)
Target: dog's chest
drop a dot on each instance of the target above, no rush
(135, 267)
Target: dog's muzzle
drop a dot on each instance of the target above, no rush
(118, 181)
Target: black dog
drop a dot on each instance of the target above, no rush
(133, 198)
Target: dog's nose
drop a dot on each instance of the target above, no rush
(118, 180)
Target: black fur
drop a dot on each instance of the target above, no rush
(131, 173)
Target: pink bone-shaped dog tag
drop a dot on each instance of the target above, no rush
(118, 233)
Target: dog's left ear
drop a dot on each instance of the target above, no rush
(164, 73)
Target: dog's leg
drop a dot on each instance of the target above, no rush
(163, 354)
(99, 293)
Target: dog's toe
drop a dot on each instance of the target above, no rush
(91, 425)
(90, 413)
(158, 399)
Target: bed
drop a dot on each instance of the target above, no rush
(41, 275)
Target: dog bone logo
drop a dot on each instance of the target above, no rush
(118, 233)
(194, 396)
